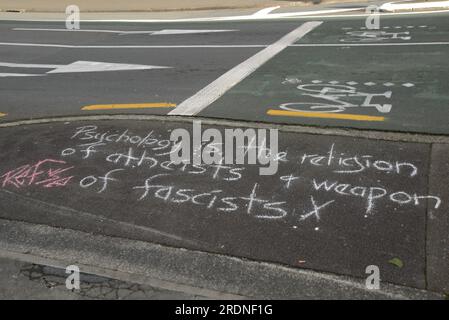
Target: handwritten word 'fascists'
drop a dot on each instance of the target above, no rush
(47, 173)
(214, 199)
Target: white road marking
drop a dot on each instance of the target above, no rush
(369, 44)
(265, 11)
(281, 15)
(217, 88)
(91, 66)
(26, 65)
(79, 66)
(291, 15)
(235, 18)
(393, 6)
(180, 31)
(4, 75)
(224, 46)
(69, 30)
(70, 46)
(120, 32)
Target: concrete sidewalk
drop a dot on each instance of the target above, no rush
(33, 259)
(138, 5)
(23, 280)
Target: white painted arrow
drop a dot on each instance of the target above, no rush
(149, 32)
(78, 66)
(91, 66)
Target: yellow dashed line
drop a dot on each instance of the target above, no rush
(2, 114)
(129, 106)
(342, 116)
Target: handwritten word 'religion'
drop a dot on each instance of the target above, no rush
(47, 173)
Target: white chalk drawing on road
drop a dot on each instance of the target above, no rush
(336, 96)
(312, 183)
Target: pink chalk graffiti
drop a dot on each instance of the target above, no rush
(37, 174)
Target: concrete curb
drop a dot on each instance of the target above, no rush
(176, 16)
(210, 275)
(136, 5)
(413, 6)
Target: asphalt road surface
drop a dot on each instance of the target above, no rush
(335, 73)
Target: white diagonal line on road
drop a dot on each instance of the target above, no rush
(217, 88)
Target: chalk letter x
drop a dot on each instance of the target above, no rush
(316, 210)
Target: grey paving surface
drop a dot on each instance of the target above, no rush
(438, 223)
(28, 281)
(372, 196)
(197, 273)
